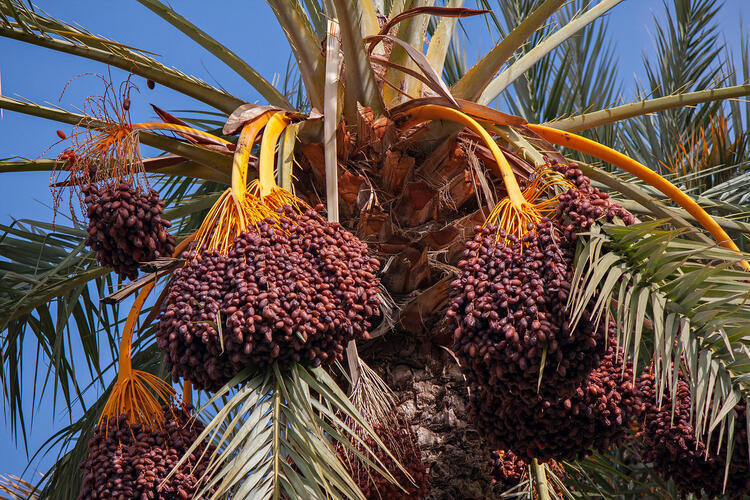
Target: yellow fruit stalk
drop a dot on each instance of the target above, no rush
(515, 212)
(644, 173)
(138, 394)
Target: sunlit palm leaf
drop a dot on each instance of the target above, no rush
(277, 434)
(19, 22)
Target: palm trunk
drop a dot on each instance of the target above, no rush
(431, 391)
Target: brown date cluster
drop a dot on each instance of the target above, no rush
(579, 207)
(508, 301)
(596, 416)
(403, 442)
(129, 461)
(539, 387)
(293, 291)
(507, 470)
(508, 304)
(671, 445)
(126, 227)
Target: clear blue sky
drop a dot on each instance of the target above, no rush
(249, 28)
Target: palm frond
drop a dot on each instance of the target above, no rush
(605, 116)
(518, 68)
(565, 81)
(305, 46)
(227, 56)
(19, 22)
(17, 489)
(694, 300)
(277, 435)
(361, 86)
(479, 76)
(687, 59)
(618, 473)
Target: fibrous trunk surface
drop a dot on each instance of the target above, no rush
(432, 394)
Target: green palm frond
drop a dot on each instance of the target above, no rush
(19, 22)
(265, 88)
(305, 45)
(44, 286)
(276, 436)
(566, 81)
(688, 294)
(579, 21)
(616, 474)
(687, 59)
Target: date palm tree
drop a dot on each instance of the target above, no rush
(401, 139)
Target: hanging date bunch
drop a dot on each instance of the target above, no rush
(531, 370)
(595, 417)
(105, 169)
(142, 434)
(134, 460)
(269, 281)
(671, 443)
(513, 334)
(507, 470)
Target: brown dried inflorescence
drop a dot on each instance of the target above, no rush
(670, 444)
(595, 417)
(294, 290)
(126, 227)
(402, 443)
(131, 461)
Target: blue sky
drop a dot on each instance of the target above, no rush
(249, 28)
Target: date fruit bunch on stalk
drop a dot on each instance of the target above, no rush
(142, 433)
(531, 369)
(527, 365)
(125, 226)
(694, 459)
(269, 281)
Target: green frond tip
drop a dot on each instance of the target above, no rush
(228, 57)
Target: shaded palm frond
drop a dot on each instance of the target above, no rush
(619, 473)
(45, 292)
(689, 295)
